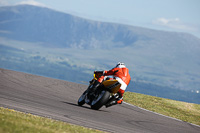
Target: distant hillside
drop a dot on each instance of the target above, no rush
(36, 39)
(56, 29)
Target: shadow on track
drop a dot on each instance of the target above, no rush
(82, 106)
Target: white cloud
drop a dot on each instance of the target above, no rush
(164, 21)
(31, 2)
(174, 23)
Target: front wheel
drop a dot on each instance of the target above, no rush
(100, 100)
(81, 100)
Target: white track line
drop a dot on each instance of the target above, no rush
(159, 114)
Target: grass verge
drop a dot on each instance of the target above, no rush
(187, 112)
(12, 121)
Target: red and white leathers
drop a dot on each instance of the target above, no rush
(121, 74)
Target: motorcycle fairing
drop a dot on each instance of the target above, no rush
(112, 85)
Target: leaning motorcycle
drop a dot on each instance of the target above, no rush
(105, 93)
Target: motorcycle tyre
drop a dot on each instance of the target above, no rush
(81, 100)
(101, 100)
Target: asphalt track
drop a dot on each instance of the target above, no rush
(57, 99)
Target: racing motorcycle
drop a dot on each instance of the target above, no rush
(104, 94)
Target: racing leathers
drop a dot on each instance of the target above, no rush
(122, 76)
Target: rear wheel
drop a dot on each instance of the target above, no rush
(100, 100)
(81, 100)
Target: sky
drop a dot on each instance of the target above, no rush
(168, 15)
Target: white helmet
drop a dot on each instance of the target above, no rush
(120, 65)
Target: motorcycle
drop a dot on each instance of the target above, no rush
(104, 94)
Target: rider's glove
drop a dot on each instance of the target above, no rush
(99, 72)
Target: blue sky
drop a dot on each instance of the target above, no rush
(169, 15)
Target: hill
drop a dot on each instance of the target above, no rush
(52, 28)
(47, 42)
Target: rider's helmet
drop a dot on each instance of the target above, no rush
(120, 65)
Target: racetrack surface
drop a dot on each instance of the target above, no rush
(57, 99)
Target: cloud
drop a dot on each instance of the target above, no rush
(174, 23)
(164, 21)
(31, 2)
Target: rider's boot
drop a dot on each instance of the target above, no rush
(117, 101)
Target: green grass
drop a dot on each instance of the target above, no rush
(187, 112)
(12, 121)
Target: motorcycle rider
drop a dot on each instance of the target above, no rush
(121, 73)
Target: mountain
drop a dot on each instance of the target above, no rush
(36, 39)
(37, 24)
